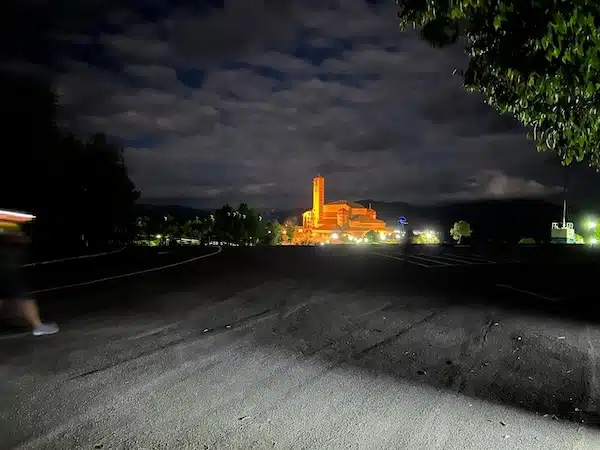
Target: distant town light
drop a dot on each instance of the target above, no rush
(334, 236)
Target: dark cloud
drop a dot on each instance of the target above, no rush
(249, 99)
(468, 114)
(334, 167)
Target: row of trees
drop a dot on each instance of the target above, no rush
(78, 188)
(227, 225)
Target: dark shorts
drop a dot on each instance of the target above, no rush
(12, 290)
(12, 282)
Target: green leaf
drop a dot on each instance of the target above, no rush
(497, 22)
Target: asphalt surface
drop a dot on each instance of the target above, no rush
(318, 347)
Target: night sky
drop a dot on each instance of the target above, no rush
(248, 100)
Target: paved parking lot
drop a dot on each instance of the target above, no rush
(435, 257)
(551, 274)
(318, 347)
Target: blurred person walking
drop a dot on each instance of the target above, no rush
(407, 243)
(13, 292)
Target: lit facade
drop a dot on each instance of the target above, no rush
(339, 221)
(562, 233)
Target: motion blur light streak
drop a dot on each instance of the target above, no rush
(15, 216)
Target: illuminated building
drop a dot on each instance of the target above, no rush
(563, 233)
(338, 221)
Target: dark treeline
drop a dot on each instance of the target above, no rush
(227, 225)
(77, 186)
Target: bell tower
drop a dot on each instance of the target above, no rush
(318, 199)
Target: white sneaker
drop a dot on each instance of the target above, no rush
(45, 328)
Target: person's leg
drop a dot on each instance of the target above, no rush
(28, 310)
(13, 287)
(25, 306)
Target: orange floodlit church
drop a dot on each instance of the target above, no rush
(339, 221)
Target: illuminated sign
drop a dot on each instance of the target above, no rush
(402, 220)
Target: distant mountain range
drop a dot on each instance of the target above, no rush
(490, 219)
(176, 211)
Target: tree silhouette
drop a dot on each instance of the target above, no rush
(224, 225)
(460, 230)
(289, 229)
(242, 226)
(372, 236)
(536, 60)
(271, 233)
(79, 190)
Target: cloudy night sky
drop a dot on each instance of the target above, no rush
(247, 100)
